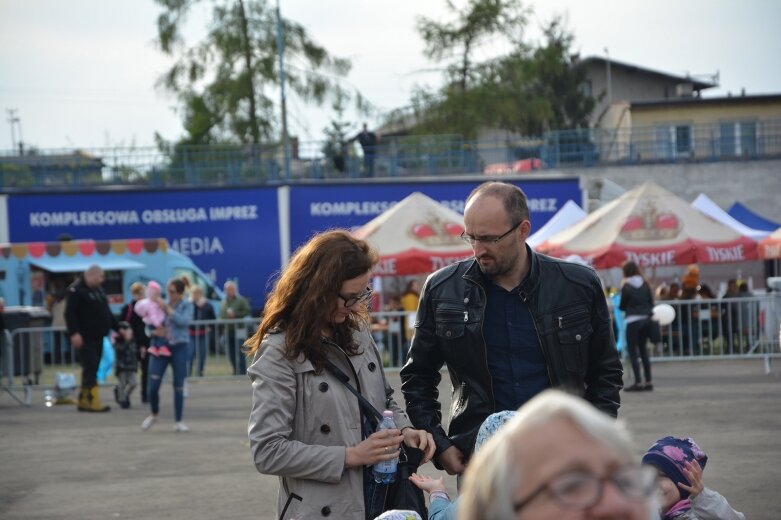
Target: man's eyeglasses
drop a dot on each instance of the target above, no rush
(581, 490)
(363, 297)
(469, 239)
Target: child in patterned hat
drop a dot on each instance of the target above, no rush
(682, 494)
(440, 505)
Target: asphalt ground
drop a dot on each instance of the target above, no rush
(59, 463)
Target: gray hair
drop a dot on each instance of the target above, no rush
(492, 475)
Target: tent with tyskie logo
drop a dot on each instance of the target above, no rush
(770, 247)
(418, 235)
(652, 227)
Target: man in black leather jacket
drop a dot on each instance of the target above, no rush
(508, 324)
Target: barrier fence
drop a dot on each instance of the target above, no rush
(735, 328)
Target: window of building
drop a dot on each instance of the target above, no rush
(673, 141)
(738, 138)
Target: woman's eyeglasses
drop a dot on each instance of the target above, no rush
(580, 490)
(363, 297)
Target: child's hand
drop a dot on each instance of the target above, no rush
(693, 472)
(428, 484)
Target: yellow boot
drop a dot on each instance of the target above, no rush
(93, 401)
(84, 400)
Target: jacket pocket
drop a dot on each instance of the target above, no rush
(451, 318)
(573, 331)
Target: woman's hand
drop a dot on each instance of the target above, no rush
(422, 440)
(428, 484)
(159, 332)
(693, 472)
(379, 446)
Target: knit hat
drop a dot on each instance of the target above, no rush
(491, 425)
(398, 514)
(670, 455)
(153, 289)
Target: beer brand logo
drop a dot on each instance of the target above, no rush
(434, 231)
(650, 224)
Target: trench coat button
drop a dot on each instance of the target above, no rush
(466, 300)
(325, 429)
(323, 386)
(578, 336)
(372, 366)
(326, 511)
(448, 334)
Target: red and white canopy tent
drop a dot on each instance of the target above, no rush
(652, 227)
(770, 246)
(416, 236)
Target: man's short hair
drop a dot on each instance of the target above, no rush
(513, 199)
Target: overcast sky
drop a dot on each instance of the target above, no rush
(82, 73)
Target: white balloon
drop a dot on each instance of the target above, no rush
(664, 314)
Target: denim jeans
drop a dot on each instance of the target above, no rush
(157, 366)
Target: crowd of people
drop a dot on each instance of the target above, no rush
(517, 331)
(150, 333)
(528, 345)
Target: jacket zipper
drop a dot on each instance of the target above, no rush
(482, 335)
(525, 299)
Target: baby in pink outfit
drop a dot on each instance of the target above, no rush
(153, 315)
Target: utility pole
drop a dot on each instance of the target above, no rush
(609, 81)
(13, 120)
(281, 51)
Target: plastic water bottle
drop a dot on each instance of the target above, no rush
(385, 471)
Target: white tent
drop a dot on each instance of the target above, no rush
(569, 215)
(704, 204)
(418, 235)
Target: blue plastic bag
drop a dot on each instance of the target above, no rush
(106, 360)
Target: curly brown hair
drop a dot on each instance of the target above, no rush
(302, 299)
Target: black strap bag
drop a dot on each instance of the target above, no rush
(402, 493)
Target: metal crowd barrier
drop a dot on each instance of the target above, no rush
(737, 328)
(33, 355)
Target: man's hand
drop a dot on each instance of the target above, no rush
(422, 440)
(77, 341)
(452, 460)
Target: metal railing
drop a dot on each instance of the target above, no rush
(411, 156)
(728, 328)
(664, 143)
(738, 328)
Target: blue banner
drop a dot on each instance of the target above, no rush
(318, 207)
(228, 234)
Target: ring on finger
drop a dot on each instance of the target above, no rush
(387, 449)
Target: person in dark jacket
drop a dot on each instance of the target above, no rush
(137, 292)
(126, 363)
(637, 302)
(89, 319)
(508, 324)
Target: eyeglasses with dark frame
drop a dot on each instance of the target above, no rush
(578, 490)
(469, 239)
(358, 298)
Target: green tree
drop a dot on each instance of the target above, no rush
(335, 148)
(529, 90)
(479, 22)
(227, 82)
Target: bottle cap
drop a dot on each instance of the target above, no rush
(387, 413)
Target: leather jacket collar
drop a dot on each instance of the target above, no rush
(529, 283)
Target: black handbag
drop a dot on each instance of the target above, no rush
(402, 493)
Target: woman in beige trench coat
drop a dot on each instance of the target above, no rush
(305, 426)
